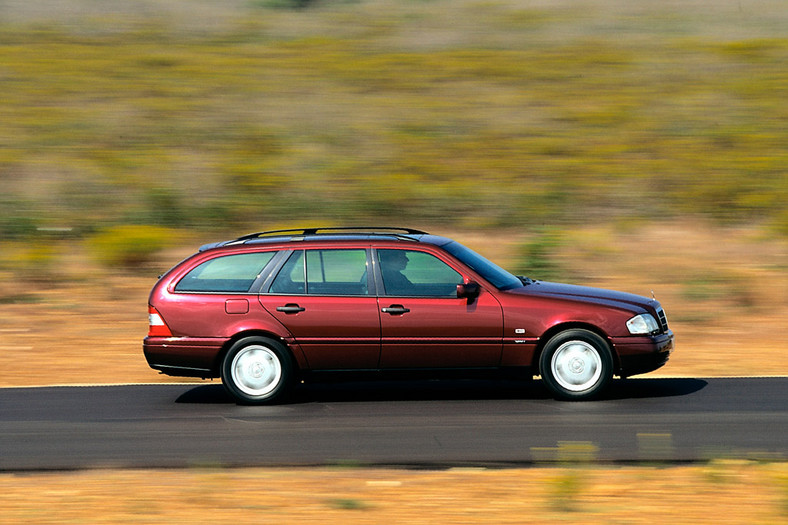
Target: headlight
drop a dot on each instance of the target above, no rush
(642, 324)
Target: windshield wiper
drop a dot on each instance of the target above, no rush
(525, 280)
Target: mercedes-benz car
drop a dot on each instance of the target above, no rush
(271, 309)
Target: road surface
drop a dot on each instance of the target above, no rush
(413, 424)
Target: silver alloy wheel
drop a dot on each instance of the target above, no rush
(256, 370)
(576, 365)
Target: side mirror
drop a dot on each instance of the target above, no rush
(468, 290)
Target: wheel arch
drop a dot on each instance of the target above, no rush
(299, 361)
(562, 327)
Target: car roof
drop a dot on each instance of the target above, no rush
(323, 234)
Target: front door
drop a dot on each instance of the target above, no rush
(423, 322)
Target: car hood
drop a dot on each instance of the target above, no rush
(586, 294)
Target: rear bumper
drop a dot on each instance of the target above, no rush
(638, 355)
(184, 357)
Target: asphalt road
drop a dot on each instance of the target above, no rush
(419, 424)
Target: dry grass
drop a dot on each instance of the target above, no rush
(727, 302)
(720, 492)
(496, 114)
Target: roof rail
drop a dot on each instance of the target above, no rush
(329, 230)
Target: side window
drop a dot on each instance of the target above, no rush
(336, 272)
(231, 273)
(417, 274)
(324, 272)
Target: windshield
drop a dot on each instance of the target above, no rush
(493, 273)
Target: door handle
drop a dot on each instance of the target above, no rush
(290, 308)
(395, 309)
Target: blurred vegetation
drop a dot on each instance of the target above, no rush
(475, 114)
(538, 256)
(129, 245)
(34, 261)
(565, 490)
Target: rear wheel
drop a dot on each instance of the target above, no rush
(576, 364)
(257, 370)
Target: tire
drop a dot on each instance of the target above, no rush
(257, 371)
(576, 365)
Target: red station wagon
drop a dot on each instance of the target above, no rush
(269, 309)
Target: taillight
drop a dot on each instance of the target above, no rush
(156, 325)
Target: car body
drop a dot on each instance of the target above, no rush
(270, 308)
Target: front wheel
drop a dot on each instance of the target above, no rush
(257, 370)
(576, 364)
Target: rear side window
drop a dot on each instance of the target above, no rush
(324, 272)
(336, 272)
(231, 273)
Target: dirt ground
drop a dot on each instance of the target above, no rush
(733, 492)
(726, 302)
(90, 334)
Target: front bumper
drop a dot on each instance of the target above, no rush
(638, 355)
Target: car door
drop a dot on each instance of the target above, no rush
(326, 299)
(423, 322)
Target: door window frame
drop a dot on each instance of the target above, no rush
(379, 274)
(288, 254)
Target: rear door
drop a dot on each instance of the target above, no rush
(326, 299)
(423, 322)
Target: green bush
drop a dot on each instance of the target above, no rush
(348, 112)
(30, 260)
(129, 246)
(17, 227)
(281, 4)
(538, 256)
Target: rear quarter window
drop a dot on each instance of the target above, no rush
(231, 273)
